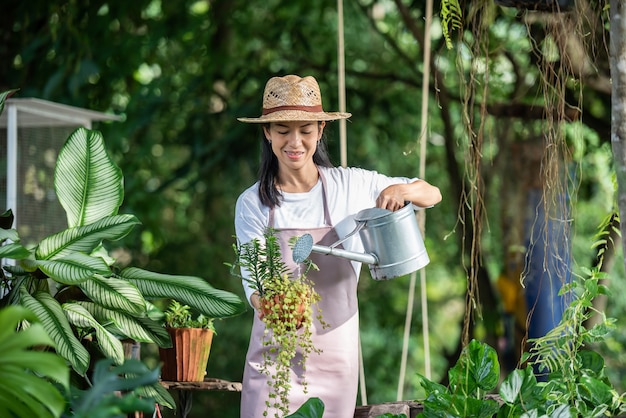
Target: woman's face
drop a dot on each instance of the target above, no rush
(294, 143)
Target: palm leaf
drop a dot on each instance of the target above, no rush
(109, 344)
(73, 269)
(115, 294)
(189, 290)
(85, 238)
(51, 315)
(138, 329)
(89, 185)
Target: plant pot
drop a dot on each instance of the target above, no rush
(285, 312)
(187, 359)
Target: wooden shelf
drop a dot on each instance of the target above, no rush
(209, 384)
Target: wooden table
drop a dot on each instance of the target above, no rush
(186, 389)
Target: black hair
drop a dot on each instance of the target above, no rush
(269, 193)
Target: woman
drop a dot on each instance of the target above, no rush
(298, 192)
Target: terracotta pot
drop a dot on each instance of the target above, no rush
(186, 361)
(274, 304)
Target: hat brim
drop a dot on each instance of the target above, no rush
(297, 115)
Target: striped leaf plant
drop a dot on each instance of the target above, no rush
(70, 281)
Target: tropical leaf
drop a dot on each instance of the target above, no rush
(103, 399)
(85, 238)
(88, 184)
(190, 290)
(24, 391)
(9, 234)
(115, 294)
(54, 321)
(109, 344)
(14, 251)
(135, 328)
(4, 96)
(159, 394)
(74, 268)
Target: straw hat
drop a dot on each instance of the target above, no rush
(293, 98)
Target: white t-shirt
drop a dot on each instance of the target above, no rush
(348, 191)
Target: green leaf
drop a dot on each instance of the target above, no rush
(109, 344)
(135, 328)
(14, 251)
(109, 379)
(159, 394)
(115, 294)
(189, 290)
(8, 234)
(594, 391)
(520, 388)
(591, 361)
(4, 96)
(86, 238)
(88, 184)
(24, 391)
(312, 408)
(74, 268)
(54, 321)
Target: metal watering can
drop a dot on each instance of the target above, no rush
(392, 241)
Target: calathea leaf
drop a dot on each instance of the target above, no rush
(74, 268)
(136, 328)
(88, 184)
(109, 344)
(86, 238)
(54, 321)
(189, 290)
(115, 294)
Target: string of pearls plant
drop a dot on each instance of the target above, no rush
(287, 300)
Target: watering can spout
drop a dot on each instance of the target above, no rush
(304, 246)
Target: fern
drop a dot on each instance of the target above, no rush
(560, 353)
(451, 18)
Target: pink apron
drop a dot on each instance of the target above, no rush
(332, 375)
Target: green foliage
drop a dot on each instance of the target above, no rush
(29, 377)
(88, 289)
(178, 315)
(178, 85)
(312, 408)
(71, 283)
(115, 391)
(451, 18)
(576, 384)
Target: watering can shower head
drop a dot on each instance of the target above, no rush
(302, 248)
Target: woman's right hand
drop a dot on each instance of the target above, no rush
(255, 301)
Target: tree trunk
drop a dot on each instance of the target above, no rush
(618, 103)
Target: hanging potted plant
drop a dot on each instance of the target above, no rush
(287, 301)
(187, 359)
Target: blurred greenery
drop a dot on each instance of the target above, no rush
(179, 73)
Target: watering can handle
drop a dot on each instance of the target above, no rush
(357, 229)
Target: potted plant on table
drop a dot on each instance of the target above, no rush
(191, 337)
(72, 284)
(287, 301)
